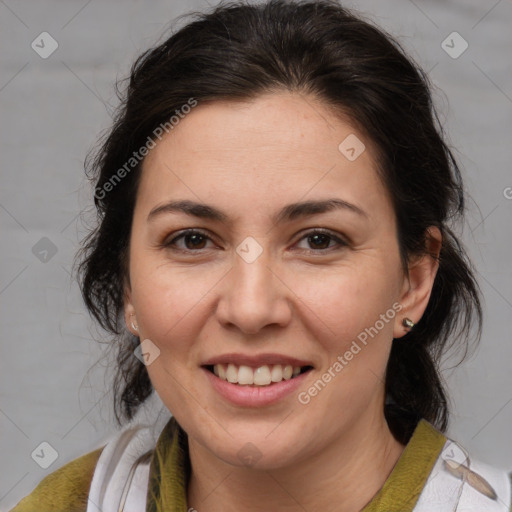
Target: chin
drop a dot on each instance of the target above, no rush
(250, 456)
(257, 446)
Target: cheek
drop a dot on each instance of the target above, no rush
(170, 302)
(346, 302)
(357, 312)
(171, 314)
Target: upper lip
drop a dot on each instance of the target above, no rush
(256, 360)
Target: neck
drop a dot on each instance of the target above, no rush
(343, 477)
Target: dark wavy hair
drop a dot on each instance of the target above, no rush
(239, 51)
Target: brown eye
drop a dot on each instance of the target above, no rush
(192, 238)
(320, 240)
(196, 241)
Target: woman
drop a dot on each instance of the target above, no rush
(275, 258)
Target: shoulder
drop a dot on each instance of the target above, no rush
(66, 488)
(486, 488)
(460, 482)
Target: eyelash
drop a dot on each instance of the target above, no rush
(318, 231)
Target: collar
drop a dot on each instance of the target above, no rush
(170, 471)
(403, 487)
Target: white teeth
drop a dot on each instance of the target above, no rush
(232, 374)
(261, 376)
(221, 371)
(277, 373)
(245, 375)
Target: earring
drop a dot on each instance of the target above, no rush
(408, 323)
(135, 327)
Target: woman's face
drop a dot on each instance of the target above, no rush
(254, 287)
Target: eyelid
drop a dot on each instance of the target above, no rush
(181, 234)
(340, 240)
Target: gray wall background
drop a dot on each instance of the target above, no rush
(53, 389)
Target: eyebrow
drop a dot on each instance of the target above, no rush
(286, 214)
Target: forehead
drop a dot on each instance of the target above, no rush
(259, 151)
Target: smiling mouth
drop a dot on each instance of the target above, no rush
(264, 375)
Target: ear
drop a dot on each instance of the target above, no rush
(417, 286)
(129, 310)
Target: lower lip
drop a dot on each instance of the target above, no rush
(255, 396)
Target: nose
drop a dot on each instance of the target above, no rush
(253, 295)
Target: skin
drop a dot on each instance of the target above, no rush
(300, 298)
